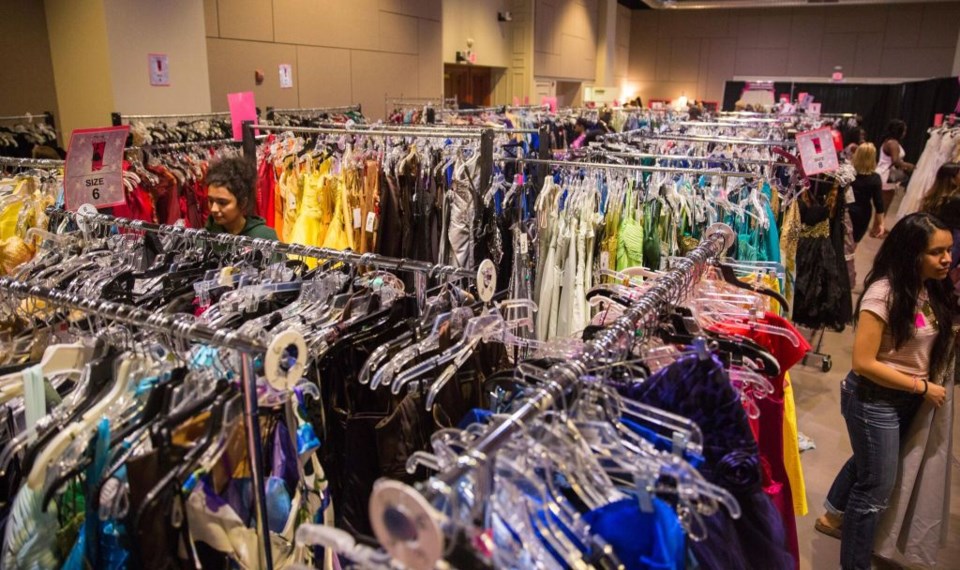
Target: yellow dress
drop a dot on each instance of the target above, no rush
(791, 450)
(340, 233)
(310, 227)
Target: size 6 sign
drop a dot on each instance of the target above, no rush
(817, 153)
(93, 173)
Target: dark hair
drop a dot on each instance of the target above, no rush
(896, 130)
(898, 261)
(239, 176)
(944, 188)
(584, 123)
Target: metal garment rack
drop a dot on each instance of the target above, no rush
(599, 151)
(194, 331)
(31, 162)
(271, 246)
(183, 145)
(727, 125)
(636, 167)
(560, 385)
(272, 112)
(485, 137)
(693, 138)
(118, 118)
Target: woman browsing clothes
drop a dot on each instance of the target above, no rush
(901, 354)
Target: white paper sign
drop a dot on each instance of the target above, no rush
(159, 69)
(93, 172)
(286, 76)
(817, 152)
(814, 109)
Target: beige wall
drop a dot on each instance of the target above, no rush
(26, 73)
(342, 52)
(695, 52)
(565, 41)
(173, 27)
(463, 19)
(80, 52)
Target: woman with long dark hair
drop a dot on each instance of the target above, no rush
(901, 352)
(943, 198)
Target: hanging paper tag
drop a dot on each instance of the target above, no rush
(524, 244)
(604, 260)
(817, 153)
(486, 280)
(371, 220)
(849, 195)
(356, 218)
(920, 321)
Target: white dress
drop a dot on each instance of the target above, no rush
(922, 177)
(914, 527)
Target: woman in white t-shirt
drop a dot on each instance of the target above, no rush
(903, 337)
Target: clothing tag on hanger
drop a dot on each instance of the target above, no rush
(604, 260)
(524, 244)
(356, 218)
(371, 222)
(848, 194)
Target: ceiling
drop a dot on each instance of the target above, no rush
(706, 4)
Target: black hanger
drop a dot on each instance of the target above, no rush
(730, 276)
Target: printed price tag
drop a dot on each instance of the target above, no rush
(604, 260)
(524, 244)
(817, 153)
(371, 222)
(93, 172)
(356, 218)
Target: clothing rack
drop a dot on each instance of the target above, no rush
(182, 145)
(428, 128)
(186, 329)
(395, 527)
(272, 112)
(694, 138)
(119, 118)
(598, 149)
(31, 162)
(637, 167)
(485, 137)
(727, 125)
(47, 117)
(271, 247)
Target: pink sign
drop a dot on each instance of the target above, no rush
(938, 119)
(93, 172)
(243, 107)
(817, 151)
(551, 101)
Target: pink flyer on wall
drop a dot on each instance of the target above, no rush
(93, 172)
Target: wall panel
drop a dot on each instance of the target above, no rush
(342, 51)
(27, 70)
(882, 41)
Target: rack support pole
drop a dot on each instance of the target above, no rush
(251, 418)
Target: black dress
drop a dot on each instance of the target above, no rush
(822, 297)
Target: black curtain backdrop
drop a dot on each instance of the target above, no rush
(915, 102)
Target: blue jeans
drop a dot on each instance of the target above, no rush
(877, 418)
